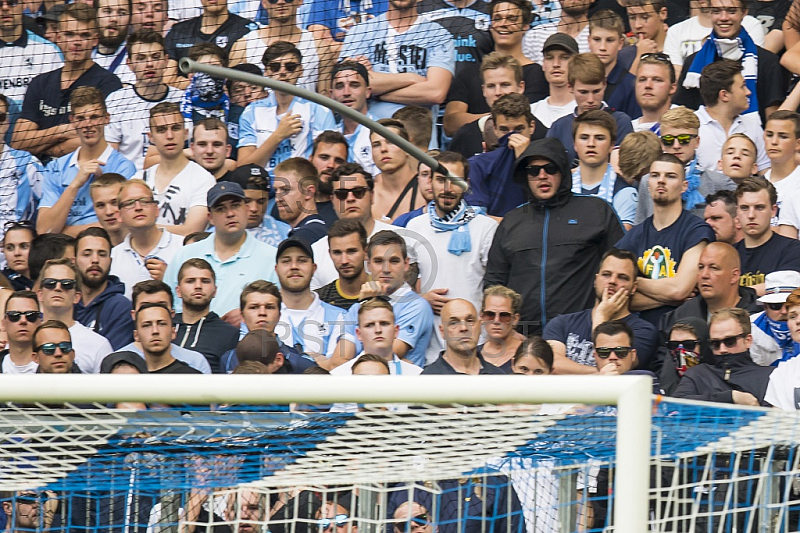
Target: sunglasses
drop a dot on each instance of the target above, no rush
(502, 316)
(687, 345)
(549, 168)
(683, 139)
(620, 351)
(418, 521)
(378, 297)
(658, 56)
(275, 66)
(16, 223)
(777, 306)
(30, 316)
(358, 192)
(49, 348)
(66, 284)
(340, 520)
(9, 3)
(30, 498)
(729, 342)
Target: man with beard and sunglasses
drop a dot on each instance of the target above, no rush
(103, 306)
(111, 53)
(733, 377)
(20, 318)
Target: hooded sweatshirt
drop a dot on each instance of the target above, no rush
(211, 336)
(548, 251)
(730, 372)
(109, 314)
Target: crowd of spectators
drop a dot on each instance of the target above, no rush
(633, 200)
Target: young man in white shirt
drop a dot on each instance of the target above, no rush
(180, 185)
(130, 106)
(104, 191)
(782, 140)
(558, 49)
(20, 318)
(59, 291)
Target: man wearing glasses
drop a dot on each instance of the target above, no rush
(21, 317)
(733, 377)
(614, 351)
(411, 517)
(53, 350)
(281, 126)
(28, 511)
(59, 291)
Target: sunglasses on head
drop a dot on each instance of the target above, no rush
(358, 192)
(275, 66)
(687, 345)
(339, 520)
(683, 139)
(620, 351)
(16, 223)
(49, 348)
(729, 342)
(502, 316)
(30, 316)
(777, 306)
(549, 168)
(658, 56)
(66, 284)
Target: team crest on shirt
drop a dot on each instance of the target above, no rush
(657, 263)
(222, 41)
(482, 22)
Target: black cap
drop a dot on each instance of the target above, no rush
(249, 68)
(356, 67)
(222, 189)
(295, 243)
(127, 357)
(53, 14)
(563, 41)
(243, 174)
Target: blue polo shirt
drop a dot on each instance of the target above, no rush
(61, 172)
(254, 260)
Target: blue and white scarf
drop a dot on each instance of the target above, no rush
(457, 221)
(741, 49)
(604, 191)
(692, 196)
(779, 331)
(205, 95)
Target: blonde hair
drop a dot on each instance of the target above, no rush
(680, 117)
(637, 151)
(503, 292)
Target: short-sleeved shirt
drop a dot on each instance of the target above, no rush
(130, 121)
(315, 329)
(188, 33)
(21, 175)
(338, 16)
(440, 366)
(128, 265)
(254, 260)
(23, 60)
(176, 367)
(47, 105)
(189, 188)
(534, 40)
(575, 331)
(61, 172)
(770, 14)
(424, 45)
(778, 253)
(713, 136)
(469, 27)
(623, 197)
(414, 316)
(194, 359)
(687, 37)
(311, 229)
(260, 120)
(659, 253)
(332, 294)
(783, 390)
(466, 87)
(116, 64)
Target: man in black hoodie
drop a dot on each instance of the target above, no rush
(734, 377)
(198, 328)
(549, 249)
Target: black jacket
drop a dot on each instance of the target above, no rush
(716, 383)
(548, 251)
(211, 336)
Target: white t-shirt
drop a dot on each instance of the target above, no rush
(713, 136)
(90, 348)
(687, 37)
(783, 386)
(9, 367)
(438, 267)
(128, 265)
(396, 367)
(187, 189)
(130, 121)
(122, 71)
(788, 199)
(547, 113)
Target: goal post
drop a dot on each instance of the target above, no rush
(630, 394)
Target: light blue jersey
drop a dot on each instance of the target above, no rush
(60, 173)
(424, 45)
(313, 330)
(359, 147)
(414, 316)
(260, 120)
(20, 185)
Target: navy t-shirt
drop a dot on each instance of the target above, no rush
(311, 229)
(47, 105)
(659, 253)
(188, 33)
(575, 331)
(778, 253)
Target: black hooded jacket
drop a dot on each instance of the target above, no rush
(730, 372)
(548, 251)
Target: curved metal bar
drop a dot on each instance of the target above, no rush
(187, 65)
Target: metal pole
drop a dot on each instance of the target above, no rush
(187, 66)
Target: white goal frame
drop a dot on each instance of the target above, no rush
(631, 394)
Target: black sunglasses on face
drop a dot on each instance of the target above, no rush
(358, 192)
(30, 498)
(687, 345)
(49, 348)
(549, 168)
(66, 284)
(502, 316)
(620, 351)
(275, 66)
(777, 306)
(729, 342)
(30, 316)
